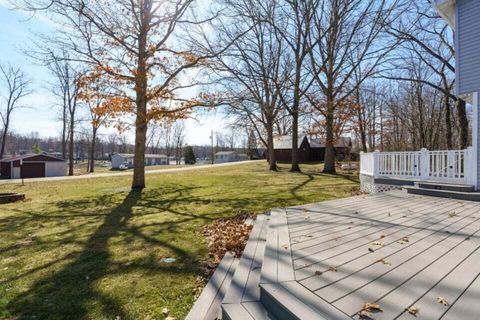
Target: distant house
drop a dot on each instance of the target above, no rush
(309, 150)
(283, 148)
(32, 166)
(126, 159)
(229, 156)
(342, 146)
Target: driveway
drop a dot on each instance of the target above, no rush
(130, 172)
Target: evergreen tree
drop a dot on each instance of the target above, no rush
(189, 156)
(36, 149)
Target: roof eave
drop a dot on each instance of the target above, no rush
(446, 9)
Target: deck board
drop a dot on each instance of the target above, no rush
(440, 259)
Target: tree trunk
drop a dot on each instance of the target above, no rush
(329, 147)
(70, 144)
(64, 129)
(295, 161)
(448, 123)
(272, 162)
(361, 128)
(141, 103)
(92, 150)
(463, 123)
(4, 137)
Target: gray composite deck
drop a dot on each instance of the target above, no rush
(326, 260)
(351, 252)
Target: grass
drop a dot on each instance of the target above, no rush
(92, 249)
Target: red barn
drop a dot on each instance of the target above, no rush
(32, 166)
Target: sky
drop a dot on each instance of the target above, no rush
(40, 113)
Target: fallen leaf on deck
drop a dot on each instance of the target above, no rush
(371, 250)
(413, 311)
(318, 273)
(307, 217)
(384, 262)
(308, 235)
(285, 246)
(403, 240)
(371, 307)
(443, 301)
(453, 214)
(378, 243)
(333, 269)
(364, 315)
(382, 236)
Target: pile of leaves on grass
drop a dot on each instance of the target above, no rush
(355, 191)
(227, 235)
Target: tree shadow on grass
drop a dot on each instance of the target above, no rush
(71, 292)
(63, 294)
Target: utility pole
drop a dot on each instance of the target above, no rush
(212, 149)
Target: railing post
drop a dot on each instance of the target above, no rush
(424, 164)
(450, 164)
(469, 163)
(376, 163)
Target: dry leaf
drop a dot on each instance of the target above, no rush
(413, 311)
(403, 240)
(307, 217)
(371, 249)
(371, 307)
(453, 214)
(333, 269)
(364, 315)
(378, 243)
(443, 301)
(318, 273)
(382, 236)
(308, 235)
(384, 262)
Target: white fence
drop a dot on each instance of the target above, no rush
(453, 165)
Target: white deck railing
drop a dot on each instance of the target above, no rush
(452, 165)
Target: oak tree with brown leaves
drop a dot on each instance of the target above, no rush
(142, 49)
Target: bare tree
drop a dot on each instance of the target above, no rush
(251, 70)
(67, 77)
(429, 39)
(178, 140)
(132, 43)
(293, 23)
(349, 35)
(15, 86)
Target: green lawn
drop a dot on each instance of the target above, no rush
(91, 249)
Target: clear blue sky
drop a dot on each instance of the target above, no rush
(16, 32)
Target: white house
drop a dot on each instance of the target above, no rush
(124, 159)
(449, 166)
(229, 156)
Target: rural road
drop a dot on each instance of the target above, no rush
(130, 172)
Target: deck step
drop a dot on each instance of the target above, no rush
(208, 305)
(445, 186)
(458, 195)
(291, 301)
(242, 300)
